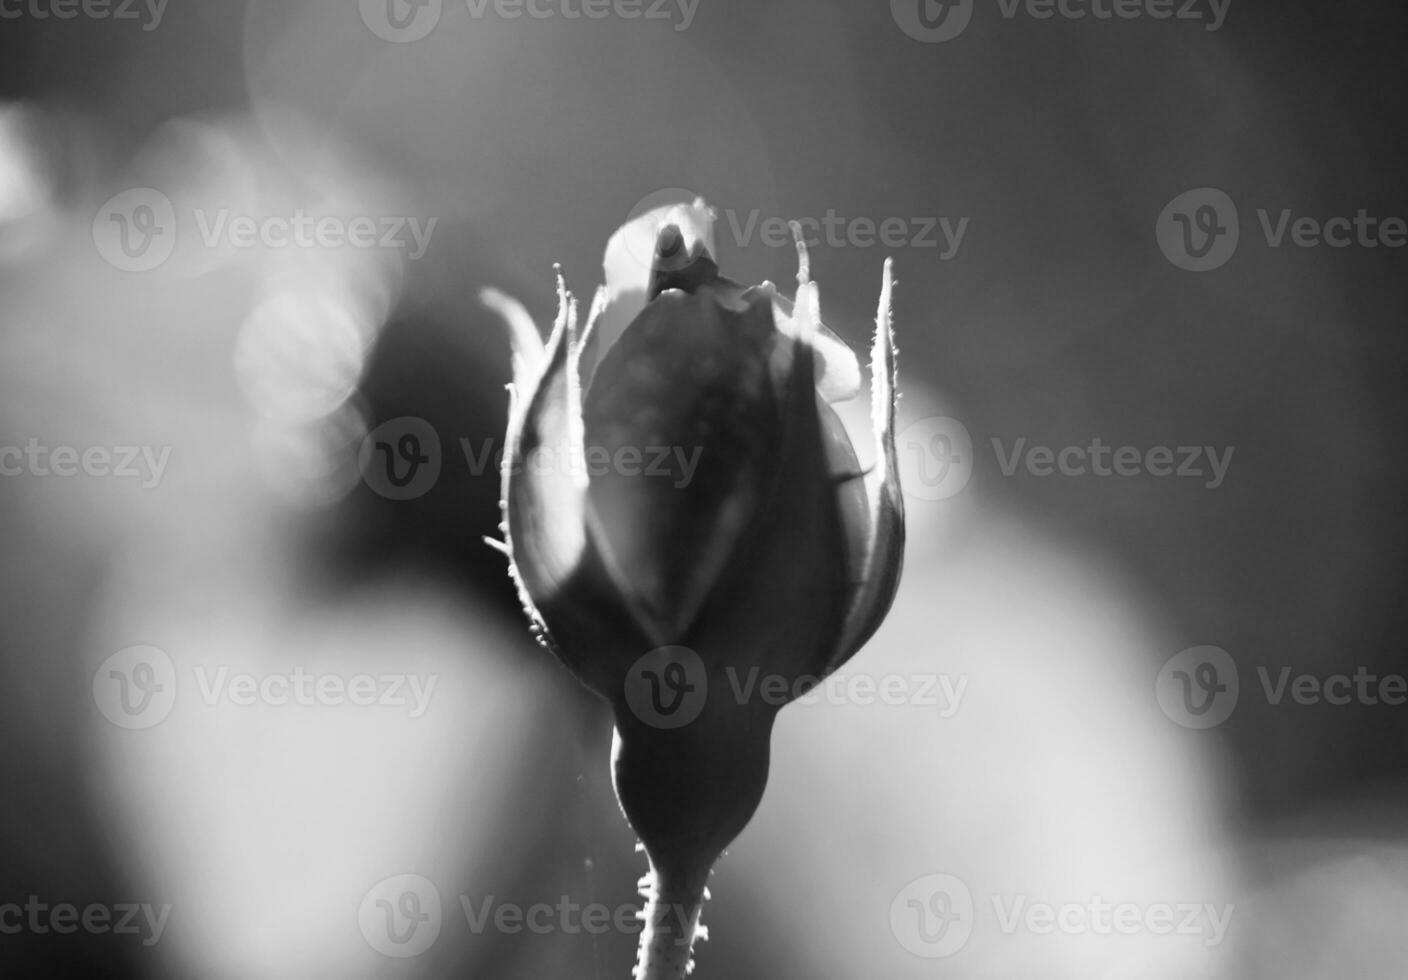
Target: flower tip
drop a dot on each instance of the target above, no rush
(883, 363)
(804, 264)
(527, 346)
(588, 334)
(564, 327)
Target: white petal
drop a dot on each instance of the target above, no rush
(630, 253)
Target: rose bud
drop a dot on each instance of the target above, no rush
(688, 512)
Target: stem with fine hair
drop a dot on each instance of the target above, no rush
(672, 909)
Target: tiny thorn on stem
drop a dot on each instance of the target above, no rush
(671, 917)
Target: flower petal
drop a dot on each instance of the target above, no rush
(545, 503)
(885, 550)
(573, 607)
(683, 413)
(630, 260)
(529, 355)
(781, 604)
(853, 501)
(837, 370)
(633, 269)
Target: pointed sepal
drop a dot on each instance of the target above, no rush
(884, 551)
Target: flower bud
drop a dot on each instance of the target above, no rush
(714, 525)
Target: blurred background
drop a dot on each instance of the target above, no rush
(1142, 704)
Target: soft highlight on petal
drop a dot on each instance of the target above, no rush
(629, 261)
(529, 355)
(837, 368)
(544, 487)
(885, 550)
